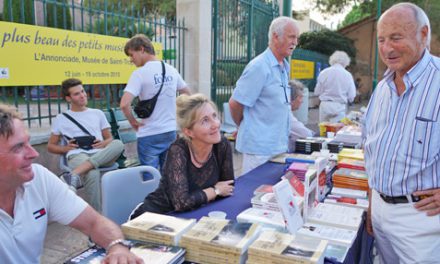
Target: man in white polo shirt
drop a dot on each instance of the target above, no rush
(31, 197)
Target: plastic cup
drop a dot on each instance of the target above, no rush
(217, 214)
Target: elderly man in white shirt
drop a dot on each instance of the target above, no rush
(297, 128)
(335, 88)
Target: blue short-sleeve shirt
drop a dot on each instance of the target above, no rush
(265, 95)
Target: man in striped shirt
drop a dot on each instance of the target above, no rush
(402, 141)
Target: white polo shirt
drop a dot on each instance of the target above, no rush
(44, 199)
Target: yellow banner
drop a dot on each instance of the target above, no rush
(33, 55)
(301, 69)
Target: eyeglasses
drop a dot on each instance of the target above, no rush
(285, 94)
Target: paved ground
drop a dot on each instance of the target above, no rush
(64, 242)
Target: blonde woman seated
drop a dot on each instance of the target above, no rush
(198, 167)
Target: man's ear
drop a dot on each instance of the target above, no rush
(424, 35)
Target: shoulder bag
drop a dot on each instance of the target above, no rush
(145, 108)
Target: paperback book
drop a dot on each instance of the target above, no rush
(157, 228)
(214, 240)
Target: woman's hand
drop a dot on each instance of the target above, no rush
(225, 188)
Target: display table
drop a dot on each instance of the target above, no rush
(270, 173)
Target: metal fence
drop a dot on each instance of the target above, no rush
(39, 104)
(239, 30)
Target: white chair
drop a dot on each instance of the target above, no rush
(123, 189)
(228, 125)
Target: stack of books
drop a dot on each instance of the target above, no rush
(276, 247)
(151, 227)
(348, 197)
(336, 146)
(357, 154)
(150, 253)
(214, 240)
(352, 164)
(350, 178)
(358, 194)
(299, 169)
(347, 201)
(309, 145)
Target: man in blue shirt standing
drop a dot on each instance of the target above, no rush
(402, 143)
(260, 104)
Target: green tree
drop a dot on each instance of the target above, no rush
(120, 27)
(357, 13)
(326, 42)
(17, 14)
(58, 14)
(165, 8)
(369, 7)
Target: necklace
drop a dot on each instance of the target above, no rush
(193, 154)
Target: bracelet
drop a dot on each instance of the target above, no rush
(119, 241)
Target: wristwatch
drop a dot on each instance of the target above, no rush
(217, 191)
(118, 241)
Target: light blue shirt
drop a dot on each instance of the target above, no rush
(264, 92)
(402, 144)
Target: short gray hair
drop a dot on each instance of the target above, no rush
(339, 57)
(420, 16)
(277, 26)
(296, 89)
(7, 116)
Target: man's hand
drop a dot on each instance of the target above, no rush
(431, 203)
(135, 124)
(71, 145)
(98, 144)
(121, 254)
(369, 223)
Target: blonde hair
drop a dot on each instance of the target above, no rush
(187, 109)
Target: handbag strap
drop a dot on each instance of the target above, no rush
(76, 123)
(163, 80)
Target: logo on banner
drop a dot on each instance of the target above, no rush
(4, 73)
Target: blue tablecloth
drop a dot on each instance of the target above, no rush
(270, 173)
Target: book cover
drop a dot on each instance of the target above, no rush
(336, 215)
(157, 228)
(221, 234)
(274, 246)
(288, 206)
(150, 253)
(333, 234)
(263, 217)
(336, 252)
